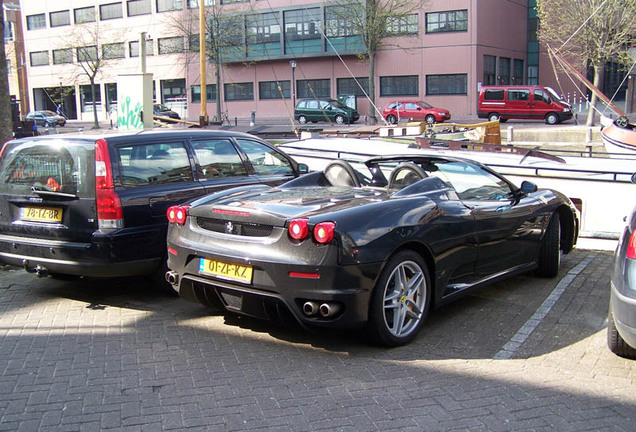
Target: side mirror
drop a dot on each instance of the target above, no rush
(303, 168)
(528, 187)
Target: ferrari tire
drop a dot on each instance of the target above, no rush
(550, 252)
(615, 342)
(400, 300)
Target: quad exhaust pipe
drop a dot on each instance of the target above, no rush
(172, 278)
(325, 310)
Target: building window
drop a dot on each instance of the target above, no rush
(111, 95)
(402, 26)
(87, 53)
(86, 96)
(8, 31)
(302, 24)
(453, 84)
(533, 75)
(134, 48)
(233, 1)
(171, 90)
(239, 91)
(60, 18)
(517, 72)
(504, 71)
(263, 28)
(302, 31)
(449, 21)
(171, 45)
(210, 93)
(63, 56)
(39, 58)
(114, 50)
(84, 15)
(169, 5)
(490, 70)
(194, 4)
(110, 11)
(274, 90)
(314, 88)
(338, 22)
(35, 22)
(349, 86)
(407, 85)
(138, 7)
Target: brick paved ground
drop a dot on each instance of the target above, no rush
(81, 356)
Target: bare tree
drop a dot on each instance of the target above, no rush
(92, 56)
(373, 21)
(224, 39)
(592, 31)
(6, 128)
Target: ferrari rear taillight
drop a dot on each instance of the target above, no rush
(298, 229)
(178, 214)
(323, 232)
(631, 247)
(110, 214)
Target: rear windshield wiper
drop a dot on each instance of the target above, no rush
(49, 193)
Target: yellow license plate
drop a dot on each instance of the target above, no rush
(41, 214)
(226, 270)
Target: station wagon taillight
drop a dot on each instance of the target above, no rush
(631, 247)
(110, 214)
(177, 214)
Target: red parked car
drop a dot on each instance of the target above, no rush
(414, 111)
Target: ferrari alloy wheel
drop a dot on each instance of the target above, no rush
(550, 252)
(400, 300)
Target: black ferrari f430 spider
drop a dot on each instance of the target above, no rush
(376, 250)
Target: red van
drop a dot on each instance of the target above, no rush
(522, 102)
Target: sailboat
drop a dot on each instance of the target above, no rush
(619, 136)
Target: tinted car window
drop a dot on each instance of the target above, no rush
(264, 159)
(68, 169)
(218, 158)
(154, 164)
(494, 95)
(518, 95)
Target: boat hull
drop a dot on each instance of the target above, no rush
(619, 141)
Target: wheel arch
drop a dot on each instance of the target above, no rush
(427, 255)
(569, 228)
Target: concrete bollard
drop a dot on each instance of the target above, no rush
(588, 135)
(511, 134)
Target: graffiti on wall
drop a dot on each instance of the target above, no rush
(130, 117)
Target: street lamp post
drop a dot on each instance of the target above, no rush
(61, 98)
(292, 63)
